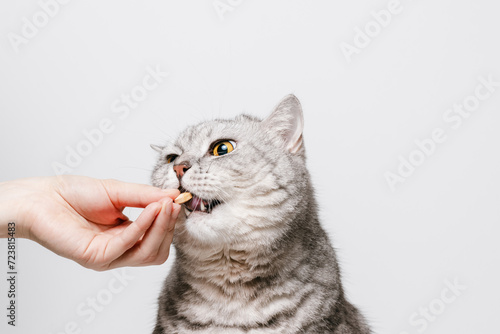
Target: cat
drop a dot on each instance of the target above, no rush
(251, 256)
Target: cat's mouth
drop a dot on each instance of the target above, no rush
(199, 204)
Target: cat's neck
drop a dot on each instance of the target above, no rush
(243, 268)
(262, 258)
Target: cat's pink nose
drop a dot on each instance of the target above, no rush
(181, 168)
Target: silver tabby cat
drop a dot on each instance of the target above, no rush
(251, 256)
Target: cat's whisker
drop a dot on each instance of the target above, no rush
(208, 169)
(225, 195)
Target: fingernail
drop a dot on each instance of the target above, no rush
(165, 200)
(176, 213)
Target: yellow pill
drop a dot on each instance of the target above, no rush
(183, 198)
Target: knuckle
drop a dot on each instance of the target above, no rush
(155, 259)
(149, 258)
(110, 181)
(94, 266)
(159, 261)
(99, 269)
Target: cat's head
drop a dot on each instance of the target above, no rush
(247, 176)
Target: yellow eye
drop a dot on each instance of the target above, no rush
(171, 158)
(223, 147)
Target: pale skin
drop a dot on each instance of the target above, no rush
(81, 218)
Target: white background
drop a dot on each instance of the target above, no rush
(397, 248)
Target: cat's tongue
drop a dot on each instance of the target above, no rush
(197, 204)
(201, 205)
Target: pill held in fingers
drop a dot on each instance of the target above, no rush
(183, 198)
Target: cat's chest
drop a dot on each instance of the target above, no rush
(228, 267)
(243, 306)
(232, 289)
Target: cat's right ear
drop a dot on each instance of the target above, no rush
(287, 120)
(157, 148)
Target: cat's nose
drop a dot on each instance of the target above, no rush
(181, 168)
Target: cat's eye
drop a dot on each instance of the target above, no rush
(171, 158)
(223, 147)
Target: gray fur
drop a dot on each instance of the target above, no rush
(260, 262)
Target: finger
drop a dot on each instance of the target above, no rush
(120, 243)
(167, 241)
(140, 255)
(150, 244)
(124, 194)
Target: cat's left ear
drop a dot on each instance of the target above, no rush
(157, 148)
(287, 120)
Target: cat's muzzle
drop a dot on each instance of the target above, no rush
(197, 203)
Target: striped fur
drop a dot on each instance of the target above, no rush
(260, 262)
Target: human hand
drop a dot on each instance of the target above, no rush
(81, 218)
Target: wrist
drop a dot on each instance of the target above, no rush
(10, 212)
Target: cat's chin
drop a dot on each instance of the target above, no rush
(204, 228)
(221, 227)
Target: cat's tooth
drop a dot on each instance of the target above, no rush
(202, 206)
(187, 212)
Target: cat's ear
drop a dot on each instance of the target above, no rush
(288, 121)
(157, 148)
